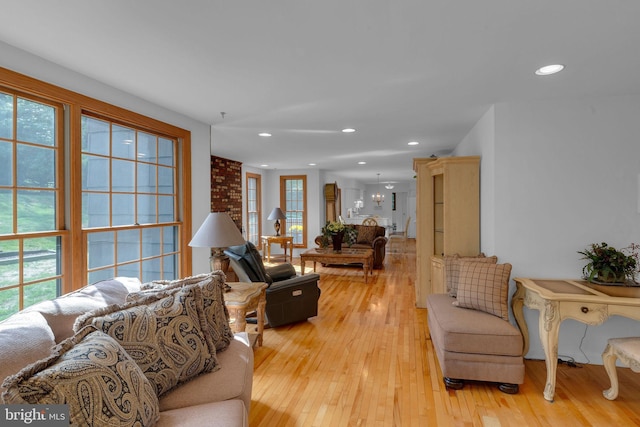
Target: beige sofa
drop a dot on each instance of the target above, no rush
(219, 397)
(469, 326)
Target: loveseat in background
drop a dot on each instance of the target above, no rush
(221, 397)
(367, 237)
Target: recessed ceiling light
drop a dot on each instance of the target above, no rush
(413, 143)
(312, 164)
(348, 130)
(264, 166)
(264, 134)
(549, 69)
(362, 163)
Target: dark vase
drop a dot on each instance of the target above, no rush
(609, 277)
(337, 240)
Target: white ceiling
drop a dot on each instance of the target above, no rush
(396, 70)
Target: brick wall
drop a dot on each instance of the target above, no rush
(226, 188)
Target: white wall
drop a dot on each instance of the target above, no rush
(33, 66)
(556, 176)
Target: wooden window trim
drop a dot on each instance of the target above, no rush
(283, 204)
(258, 179)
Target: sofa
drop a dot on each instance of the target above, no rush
(470, 329)
(366, 236)
(119, 352)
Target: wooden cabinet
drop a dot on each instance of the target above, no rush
(447, 217)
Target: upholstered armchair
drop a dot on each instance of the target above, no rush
(372, 237)
(290, 297)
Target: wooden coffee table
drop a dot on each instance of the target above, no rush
(346, 256)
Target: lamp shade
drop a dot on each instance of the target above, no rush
(276, 213)
(217, 231)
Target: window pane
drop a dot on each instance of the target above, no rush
(128, 246)
(95, 210)
(165, 209)
(151, 270)
(146, 178)
(151, 242)
(101, 249)
(41, 258)
(9, 302)
(147, 147)
(6, 212)
(123, 142)
(95, 173)
(40, 292)
(6, 116)
(146, 209)
(170, 267)
(36, 210)
(123, 209)
(36, 166)
(10, 267)
(165, 180)
(95, 136)
(124, 178)
(6, 160)
(129, 270)
(169, 239)
(165, 152)
(98, 275)
(36, 122)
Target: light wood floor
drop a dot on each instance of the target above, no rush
(367, 360)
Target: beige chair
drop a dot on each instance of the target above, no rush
(627, 351)
(400, 236)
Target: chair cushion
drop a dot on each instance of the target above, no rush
(452, 266)
(250, 261)
(163, 333)
(95, 376)
(366, 234)
(485, 287)
(212, 286)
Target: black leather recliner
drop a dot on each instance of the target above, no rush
(290, 298)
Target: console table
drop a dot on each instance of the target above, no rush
(285, 241)
(568, 299)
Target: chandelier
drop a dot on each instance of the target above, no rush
(378, 197)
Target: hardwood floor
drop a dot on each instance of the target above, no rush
(367, 360)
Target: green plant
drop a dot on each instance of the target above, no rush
(608, 264)
(333, 227)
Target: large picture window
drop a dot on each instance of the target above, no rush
(293, 196)
(88, 191)
(128, 181)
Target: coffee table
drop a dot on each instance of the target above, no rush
(345, 256)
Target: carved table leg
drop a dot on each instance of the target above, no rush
(609, 360)
(549, 329)
(517, 302)
(262, 302)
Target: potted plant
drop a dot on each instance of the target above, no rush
(609, 265)
(336, 232)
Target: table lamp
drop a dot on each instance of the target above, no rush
(218, 231)
(276, 214)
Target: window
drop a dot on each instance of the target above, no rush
(31, 210)
(128, 181)
(86, 181)
(293, 196)
(254, 201)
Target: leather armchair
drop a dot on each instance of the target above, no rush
(290, 298)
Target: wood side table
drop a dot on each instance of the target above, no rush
(243, 298)
(285, 241)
